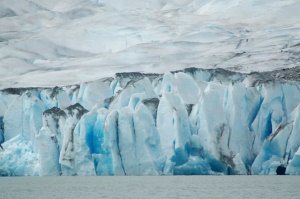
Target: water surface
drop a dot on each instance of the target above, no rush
(229, 187)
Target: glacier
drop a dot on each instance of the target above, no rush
(161, 87)
(188, 122)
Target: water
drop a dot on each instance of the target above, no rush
(229, 187)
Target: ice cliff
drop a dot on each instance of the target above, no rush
(191, 122)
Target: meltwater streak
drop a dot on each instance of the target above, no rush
(151, 187)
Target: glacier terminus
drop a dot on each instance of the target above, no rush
(187, 122)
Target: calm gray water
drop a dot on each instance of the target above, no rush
(236, 187)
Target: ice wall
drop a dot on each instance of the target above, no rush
(189, 122)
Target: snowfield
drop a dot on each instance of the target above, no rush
(51, 43)
(113, 87)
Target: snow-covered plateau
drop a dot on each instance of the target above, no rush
(160, 87)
